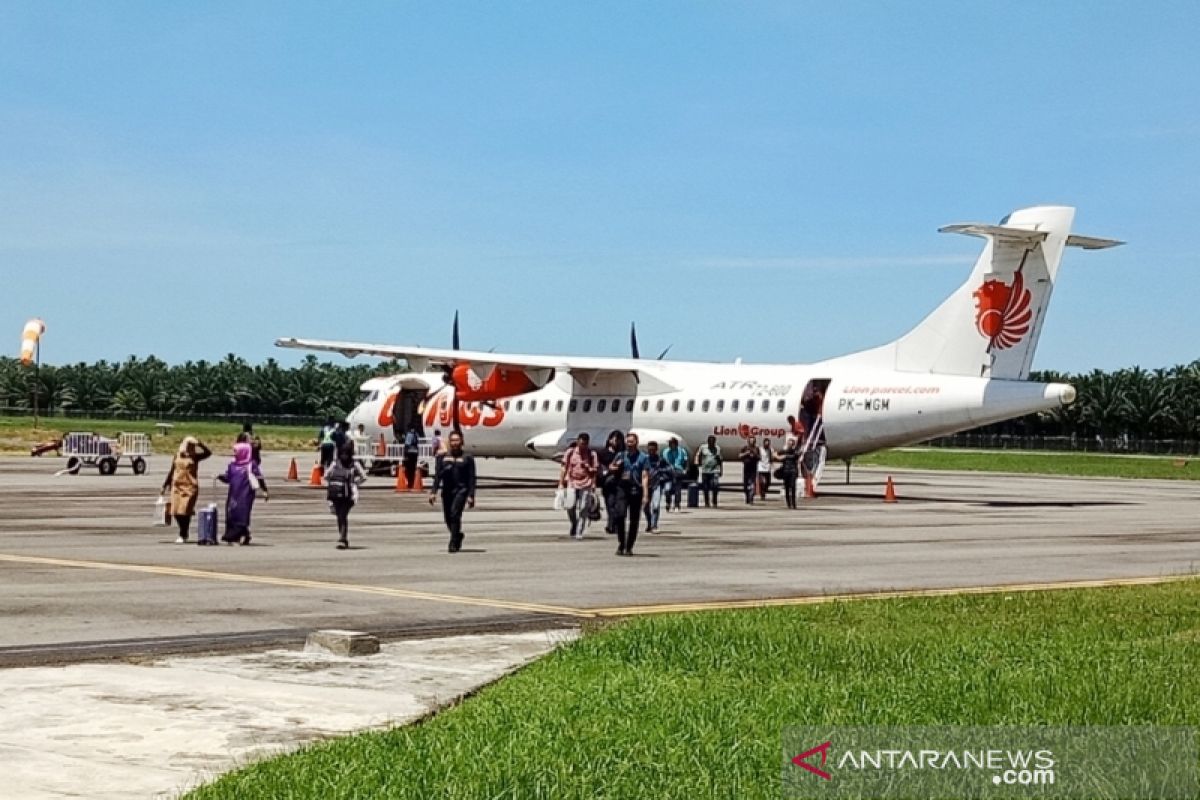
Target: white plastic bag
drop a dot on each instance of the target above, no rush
(560, 499)
(162, 512)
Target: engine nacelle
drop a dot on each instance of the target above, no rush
(501, 383)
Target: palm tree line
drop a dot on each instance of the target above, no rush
(1125, 405)
(149, 387)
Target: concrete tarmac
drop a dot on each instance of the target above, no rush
(85, 575)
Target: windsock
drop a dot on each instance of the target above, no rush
(29, 339)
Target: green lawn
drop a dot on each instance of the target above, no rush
(692, 706)
(17, 434)
(1085, 464)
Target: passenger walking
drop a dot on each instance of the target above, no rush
(412, 451)
(632, 476)
(765, 458)
(436, 444)
(341, 490)
(608, 488)
(454, 477)
(248, 435)
(789, 469)
(708, 459)
(662, 476)
(578, 478)
(245, 480)
(325, 444)
(677, 456)
(183, 479)
(749, 459)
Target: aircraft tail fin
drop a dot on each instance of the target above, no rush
(989, 327)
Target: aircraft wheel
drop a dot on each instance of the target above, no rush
(139, 466)
(107, 466)
(73, 465)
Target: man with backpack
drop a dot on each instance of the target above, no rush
(578, 478)
(341, 490)
(677, 456)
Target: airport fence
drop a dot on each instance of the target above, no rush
(1126, 445)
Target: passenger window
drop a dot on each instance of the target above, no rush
(780, 406)
(558, 406)
(691, 406)
(660, 405)
(645, 406)
(720, 406)
(572, 407)
(749, 406)
(628, 406)
(545, 405)
(616, 404)
(704, 407)
(587, 406)
(520, 405)
(733, 406)
(506, 405)
(601, 405)
(674, 405)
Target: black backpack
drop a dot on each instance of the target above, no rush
(338, 483)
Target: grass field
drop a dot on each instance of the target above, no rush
(1079, 464)
(17, 434)
(692, 706)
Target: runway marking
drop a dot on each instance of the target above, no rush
(808, 600)
(296, 583)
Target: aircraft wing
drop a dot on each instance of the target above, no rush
(588, 371)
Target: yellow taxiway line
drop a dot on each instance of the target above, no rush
(594, 613)
(296, 583)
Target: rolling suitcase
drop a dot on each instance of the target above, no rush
(693, 495)
(206, 532)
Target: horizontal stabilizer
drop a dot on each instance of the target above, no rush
(1001, 233)
(1091, 242)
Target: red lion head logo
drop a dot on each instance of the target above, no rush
(1002, 312)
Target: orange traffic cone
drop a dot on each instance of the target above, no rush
(316, 476)
(889, 491)
(419, 480)
(381, 448)
(293, 475)
(810, 491)
(401, 481)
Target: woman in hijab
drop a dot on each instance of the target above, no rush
(245, 479)
(183, 479)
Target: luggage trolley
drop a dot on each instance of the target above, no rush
(93, 450)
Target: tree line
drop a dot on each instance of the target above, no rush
(1145, 405)
(150, 387)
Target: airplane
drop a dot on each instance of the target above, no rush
(965, 365)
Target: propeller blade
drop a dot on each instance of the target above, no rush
(633, 343)
(454, 343)
(663, 354)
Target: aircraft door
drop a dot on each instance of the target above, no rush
(407, 412)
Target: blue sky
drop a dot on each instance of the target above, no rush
(762, 180)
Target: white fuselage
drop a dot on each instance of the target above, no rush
(863, 409)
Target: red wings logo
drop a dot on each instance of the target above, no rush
(1002, 313)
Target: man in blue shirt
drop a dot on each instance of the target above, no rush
(677, 456)
(629, 470)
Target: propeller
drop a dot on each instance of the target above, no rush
(633, 344)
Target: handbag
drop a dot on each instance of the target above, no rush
(255, 485)
(162, 512)
(593, 507)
